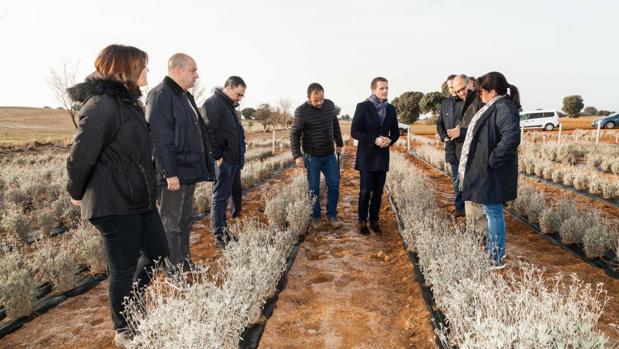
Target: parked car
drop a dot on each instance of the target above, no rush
(609, 121)
(545, 119)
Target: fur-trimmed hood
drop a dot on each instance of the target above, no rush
(97, 86)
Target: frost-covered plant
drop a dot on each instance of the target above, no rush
(15, 223)
(536, 204)
(18, 289)
(597, 240)
(46, 221)
(518, 308)
(214, 308)
(87, 248)
(55, 264)
(203, 196)
(550, 221)
(573, 229)
(67, 213)
(557, 175)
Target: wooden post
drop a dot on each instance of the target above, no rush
(560, 131)
(273, 146)
(522, 134)
(408, 139)
(597, 134)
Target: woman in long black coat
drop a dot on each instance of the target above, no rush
(111, 173)
(489, 163)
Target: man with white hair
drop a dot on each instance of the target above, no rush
(180, 150)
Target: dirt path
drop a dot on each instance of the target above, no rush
(84, 322)
(523, 243)
(346, 290)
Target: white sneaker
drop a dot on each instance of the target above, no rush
(497, 265)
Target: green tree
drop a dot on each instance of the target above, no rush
(248, 113)
(338, 110)
(590, 111)
(603, 113)
(263, 114)
(431, 103)
(407, 106)
(572, 105)
(445, 90)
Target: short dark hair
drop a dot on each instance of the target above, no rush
(234, 81)
(314, 87)
(451, 77)
(376, 80)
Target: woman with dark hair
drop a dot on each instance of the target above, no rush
(488, 167)
(111, 173)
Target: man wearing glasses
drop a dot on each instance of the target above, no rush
(227, 143)
(447, 119)
(470, 104)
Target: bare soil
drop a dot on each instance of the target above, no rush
(346, 290)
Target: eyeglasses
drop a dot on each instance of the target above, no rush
(460, 90)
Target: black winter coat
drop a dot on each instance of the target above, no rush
(317, 129)
(447, 119)
(180, 147)
(491, 175)
(110, 168)
(225, 131)
(366, 128)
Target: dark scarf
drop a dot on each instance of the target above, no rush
(381, 108)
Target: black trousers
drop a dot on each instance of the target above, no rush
(372, 184)
(132, 245)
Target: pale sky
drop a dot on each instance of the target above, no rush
(549, 49)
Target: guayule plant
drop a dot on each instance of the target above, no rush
(87, 248)
(54, 262)
(18, 289)
(214, 308)
(517, 308)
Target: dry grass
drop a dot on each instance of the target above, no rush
(21, 125)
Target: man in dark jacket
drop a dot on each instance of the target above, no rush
(315, 125)
(180, 150)
(375, 127)
(227, 140)
(469, 106)
(447, 119)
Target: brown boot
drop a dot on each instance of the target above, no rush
(335, 223)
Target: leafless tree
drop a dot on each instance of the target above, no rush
(285, 118)
(61, 79)
(199, 93)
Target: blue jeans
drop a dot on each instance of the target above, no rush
(372, 184)
(496, 231)
(227, 183)
(454, 177)
(328, 166)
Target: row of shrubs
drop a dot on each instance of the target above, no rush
(575, 136)
(213, 309)
(583, 179)
(519, 307)
(600, 157)
(587, 228)
(23, 268)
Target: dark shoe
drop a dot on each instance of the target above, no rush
(221, 241)
(363, 228)
(375, 227)
(459, 214)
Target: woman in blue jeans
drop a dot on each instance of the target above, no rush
(111, 174)
(488, 167)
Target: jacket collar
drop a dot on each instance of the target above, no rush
(173, 85)
(98, 86)
(220, 93)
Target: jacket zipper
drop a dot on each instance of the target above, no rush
(130, 189)
(150, 202)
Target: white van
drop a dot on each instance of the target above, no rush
(546, 119)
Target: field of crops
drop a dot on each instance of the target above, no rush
(423, 283)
